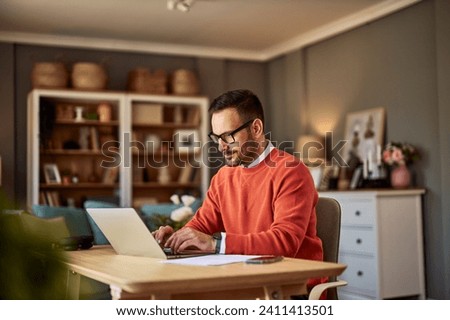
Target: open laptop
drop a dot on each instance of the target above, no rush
(128, 234)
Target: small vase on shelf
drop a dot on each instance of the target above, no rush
(79, 114)
(400, 177)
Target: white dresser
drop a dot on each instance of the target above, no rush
(381, 243)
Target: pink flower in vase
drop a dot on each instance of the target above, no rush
(387, 157)
(397, 156)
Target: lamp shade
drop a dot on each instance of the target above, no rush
(311, 148)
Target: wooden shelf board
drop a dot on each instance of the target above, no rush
(62, 152)
(165, 185)
(166, 153)
(87, 123)
(165, 125)
(81, 185)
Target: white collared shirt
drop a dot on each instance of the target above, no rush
(262, 156)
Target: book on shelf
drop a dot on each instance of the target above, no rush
(42, 198)
(94, 139)
(138, 174)
(193, 116)
(56, 198)
(50, 198)
(148, 113)
(195, 174)
(110, 175)
(185, 174)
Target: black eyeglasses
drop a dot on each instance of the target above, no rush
(228, 137)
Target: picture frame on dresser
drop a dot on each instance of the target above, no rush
(364, 133)
(356, 178)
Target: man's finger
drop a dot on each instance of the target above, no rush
(188, 243)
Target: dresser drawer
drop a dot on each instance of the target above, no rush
(358, 212)
(358, 241)
(360, 274)
(345, 295)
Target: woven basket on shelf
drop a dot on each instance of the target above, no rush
(184, 82)
(88, 76)
(142, 80)
(49, 75)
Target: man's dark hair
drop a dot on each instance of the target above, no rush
(245, 102)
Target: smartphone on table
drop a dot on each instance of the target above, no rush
(264, 259)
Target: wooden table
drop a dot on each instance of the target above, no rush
(147, 278)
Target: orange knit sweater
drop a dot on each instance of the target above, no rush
(267, 209)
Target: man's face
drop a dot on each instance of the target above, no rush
(243, 150)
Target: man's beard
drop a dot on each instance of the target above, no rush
(242, 156)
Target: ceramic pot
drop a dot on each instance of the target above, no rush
(400, 177)
(104, 112)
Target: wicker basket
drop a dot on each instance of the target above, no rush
(49, 75)
(184, 82)
(142, 80)
(88, 76)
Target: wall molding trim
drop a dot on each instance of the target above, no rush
(327, 31)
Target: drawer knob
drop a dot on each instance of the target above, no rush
(360, 273)
(357, 213)
(358, 241)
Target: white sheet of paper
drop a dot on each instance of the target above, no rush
(211, 260)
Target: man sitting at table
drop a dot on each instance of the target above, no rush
(262, 202)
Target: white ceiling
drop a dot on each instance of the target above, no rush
(235, 29)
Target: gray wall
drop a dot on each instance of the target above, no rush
(393, 63)
(7, 140)
(442, 11)
(287, 99)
